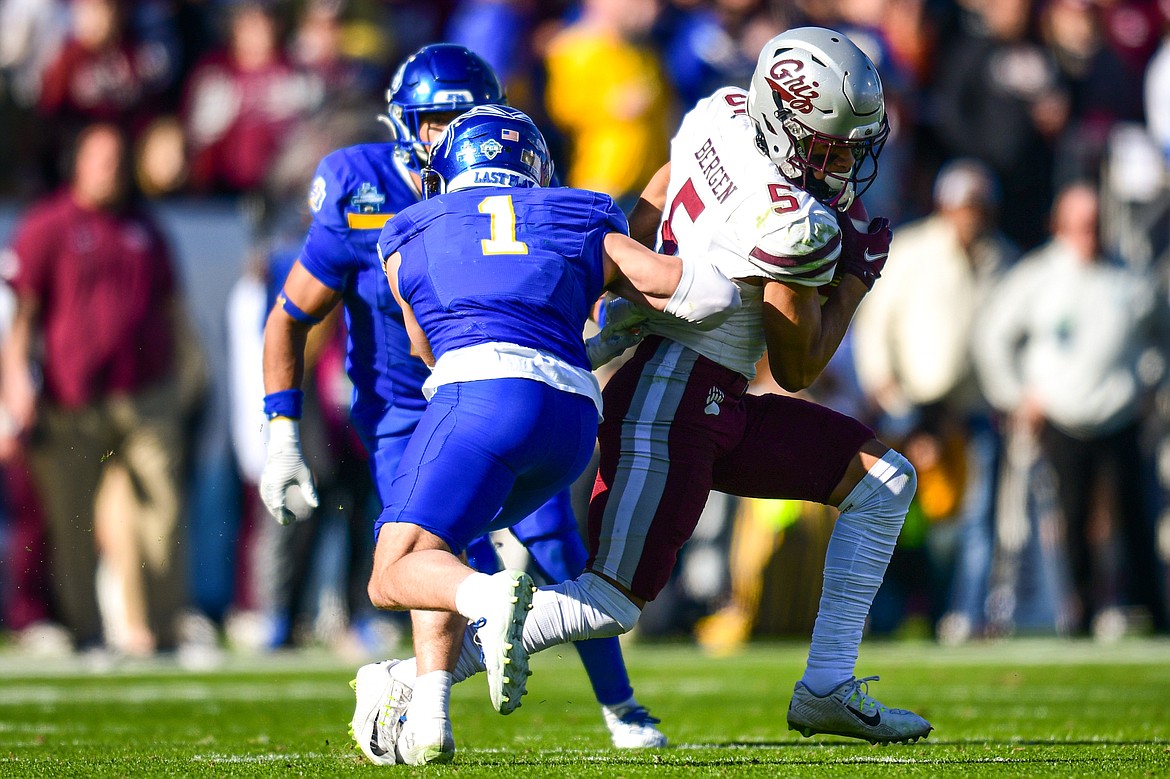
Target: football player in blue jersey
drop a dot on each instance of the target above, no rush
(354, 192)
(495, 274)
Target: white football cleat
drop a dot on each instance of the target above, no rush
(426, 741)
(500, 633)
(632, 727)
(380, 712)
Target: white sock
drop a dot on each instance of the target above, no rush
(859, 550)
(470, 663)
(575, 610)
(431, 698)
(472, 594)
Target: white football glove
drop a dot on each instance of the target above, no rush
(286, 468)
(623, 329)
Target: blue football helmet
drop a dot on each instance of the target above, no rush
(489, 146)
(441, 77)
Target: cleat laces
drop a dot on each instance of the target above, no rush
(639, 715)
(860, 697)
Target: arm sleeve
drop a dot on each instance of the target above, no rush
(395, 233)
(326, 255)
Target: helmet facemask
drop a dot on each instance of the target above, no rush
(816, 162)
(406, 123)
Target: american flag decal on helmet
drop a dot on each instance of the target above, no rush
(509, 135)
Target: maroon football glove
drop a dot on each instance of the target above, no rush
(864, 254)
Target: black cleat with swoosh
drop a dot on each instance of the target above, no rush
(850, 711)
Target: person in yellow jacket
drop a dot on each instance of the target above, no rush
(606, 93)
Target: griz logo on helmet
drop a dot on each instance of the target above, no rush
(797, 93)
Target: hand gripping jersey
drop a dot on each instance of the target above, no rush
(353, 194)
(504, 266)
(727, 203)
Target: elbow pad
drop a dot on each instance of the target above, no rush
(704, 296)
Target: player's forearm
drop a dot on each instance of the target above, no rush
(795, 357)
(693, 290)
(284, 352)
(637, 273)
(802, 335)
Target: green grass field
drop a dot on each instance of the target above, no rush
(1015, 709)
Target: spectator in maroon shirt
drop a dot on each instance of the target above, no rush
(242, 102)
(102, 74)
(96, 288)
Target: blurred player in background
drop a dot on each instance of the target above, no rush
(765, 184)
(355, 191)
(496, 274)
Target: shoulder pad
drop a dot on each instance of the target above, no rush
(799, 239)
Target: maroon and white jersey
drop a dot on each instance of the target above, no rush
(729, 204)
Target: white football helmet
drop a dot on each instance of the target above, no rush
(814, 93)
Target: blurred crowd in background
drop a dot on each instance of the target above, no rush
(1015, 351)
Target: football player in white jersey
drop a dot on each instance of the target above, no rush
(766, 185)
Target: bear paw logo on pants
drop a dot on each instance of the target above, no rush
(714, 398)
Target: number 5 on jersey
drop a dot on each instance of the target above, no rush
(503, 229)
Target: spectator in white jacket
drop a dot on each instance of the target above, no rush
(1062, 349)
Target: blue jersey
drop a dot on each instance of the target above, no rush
(354, 192)
(521, 266)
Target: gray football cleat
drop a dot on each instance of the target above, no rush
(379, 713)
(850, 711)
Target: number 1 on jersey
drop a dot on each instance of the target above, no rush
(503, 214)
